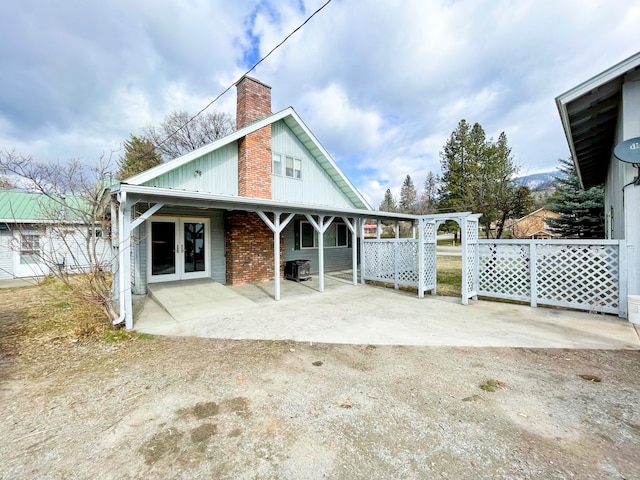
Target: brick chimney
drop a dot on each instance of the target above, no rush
(254, 150)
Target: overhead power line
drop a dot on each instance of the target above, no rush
(181, 127)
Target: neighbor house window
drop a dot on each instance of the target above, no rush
(276, 164)
(294, 167)
(334, 236)
(29, 249)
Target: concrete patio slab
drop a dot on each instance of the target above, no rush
(366, 314)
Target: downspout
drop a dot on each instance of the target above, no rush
(122, 200)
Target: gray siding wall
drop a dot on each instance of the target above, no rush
(6, 256)
(219, 173)
(335, 258)
(315, 187)
(216, 250)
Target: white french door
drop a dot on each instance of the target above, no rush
(177, 248)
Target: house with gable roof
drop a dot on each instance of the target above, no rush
(237, 209)
(597, 115)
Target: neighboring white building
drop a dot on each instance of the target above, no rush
(33, 240)
(597, 115)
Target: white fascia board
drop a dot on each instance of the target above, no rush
(208, 200)
(199, 152)
(599, 80)
(330, 160)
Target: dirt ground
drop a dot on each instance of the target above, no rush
(80, 407)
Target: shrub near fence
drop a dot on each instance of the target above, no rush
(581, 274)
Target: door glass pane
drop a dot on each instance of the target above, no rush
(194, 253)
(163, 247)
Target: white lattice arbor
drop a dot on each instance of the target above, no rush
(581, 274)
(412, 262)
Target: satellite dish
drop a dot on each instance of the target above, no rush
(628, 151)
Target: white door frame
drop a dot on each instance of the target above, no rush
(179, 251)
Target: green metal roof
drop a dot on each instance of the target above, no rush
(20, 206)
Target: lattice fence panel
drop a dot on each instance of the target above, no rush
(407, 262)
(379, 261)
(579, 276)
(471, 267)
(429, 266)
(504, 271)
(429, 234)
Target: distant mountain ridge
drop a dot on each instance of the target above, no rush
(538, 182)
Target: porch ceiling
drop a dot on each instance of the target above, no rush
(589, 114)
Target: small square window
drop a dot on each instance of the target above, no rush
(276, 164)
(307, 236)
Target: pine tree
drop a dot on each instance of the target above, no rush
(389, 203)
(581, 211)
(427, 200)
(408, 196)
(478, 175)
(139, 155)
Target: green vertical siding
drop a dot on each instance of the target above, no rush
(218, 173)
(315, 187)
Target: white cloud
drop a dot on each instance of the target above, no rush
(381, 84)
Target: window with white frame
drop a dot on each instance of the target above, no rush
(293, 167)
(29, 249)
(334, 236)
(276, 164)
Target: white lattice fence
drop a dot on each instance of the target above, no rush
(391, 260)
(581, 274)
(429, 235)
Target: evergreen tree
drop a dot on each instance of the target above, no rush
(427, 200)
(139, 155)
(581, 211)
(389, 203)
(408, 196)
(478, 175)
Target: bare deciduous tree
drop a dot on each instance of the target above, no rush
(76, 222)
(177, 135)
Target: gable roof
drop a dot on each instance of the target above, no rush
(299, 129)
(589, 114)
(536, 213)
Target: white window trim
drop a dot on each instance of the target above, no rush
(315, 236)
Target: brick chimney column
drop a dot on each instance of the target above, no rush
(254, 150)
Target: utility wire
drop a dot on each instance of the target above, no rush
(246, 73)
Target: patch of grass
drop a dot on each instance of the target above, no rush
(448, 242)
(492, 385)
(449, 275)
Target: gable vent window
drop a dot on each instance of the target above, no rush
(293, 167)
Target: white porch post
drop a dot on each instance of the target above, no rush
(124, 260)
(362, 260)
(320, 226)
(421, 241)
(465, 261)
(378, 228)
(276, 227)
(352, 226)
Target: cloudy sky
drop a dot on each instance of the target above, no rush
(381, 83)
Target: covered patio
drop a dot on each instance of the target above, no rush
(370, 315)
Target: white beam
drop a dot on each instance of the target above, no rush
(276, 227)
(352, 226)
(146, 215)
(320, 226)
